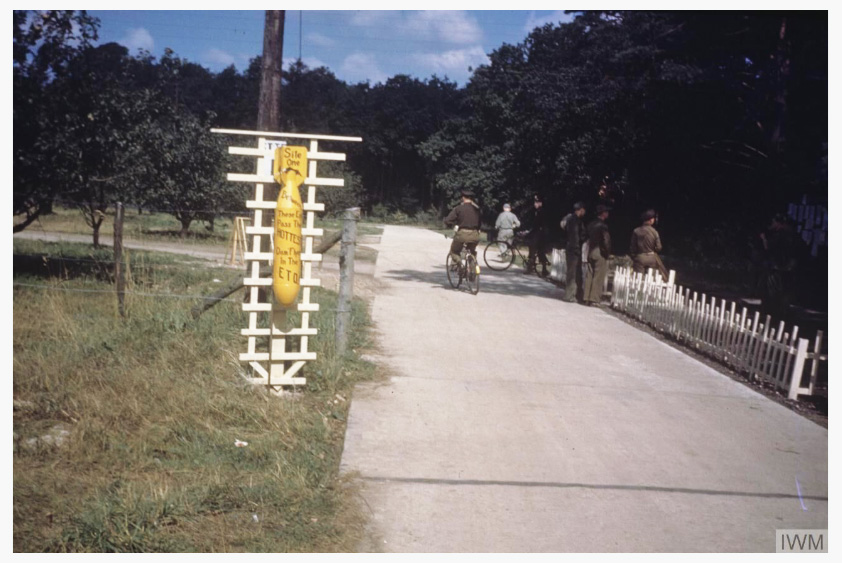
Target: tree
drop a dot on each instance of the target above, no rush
(97, 123)
(184, 169)
(398, 117)
(44, 44)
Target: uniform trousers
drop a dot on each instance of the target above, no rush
(467, 237)
(573, 285)
(595, 279)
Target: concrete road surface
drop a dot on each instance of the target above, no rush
(515, 422)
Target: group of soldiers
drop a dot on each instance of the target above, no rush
(776, 252)
(593, 238)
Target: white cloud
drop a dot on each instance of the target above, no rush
(449, 26)
(313, 62)
(138, 38)
(218, 57)
(359, 67)
(453, 63)
(319, 40)
(556, 17)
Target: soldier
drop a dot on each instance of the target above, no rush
(575, 230)
(599, 245)
(466, 216)
(646, 244)
(537, 239)
(506, 224)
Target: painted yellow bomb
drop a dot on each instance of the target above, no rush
(289, 170)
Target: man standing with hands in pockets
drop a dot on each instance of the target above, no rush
(599, 245)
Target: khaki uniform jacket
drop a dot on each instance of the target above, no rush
(599, 237)
(645, 240)
(464, 216)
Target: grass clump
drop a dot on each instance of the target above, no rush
(125, 429)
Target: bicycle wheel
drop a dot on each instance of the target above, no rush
(497, 260)
(452, 275)
(472, 273)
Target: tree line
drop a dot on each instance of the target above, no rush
(716, 119)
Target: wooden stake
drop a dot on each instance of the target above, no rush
(119, 274)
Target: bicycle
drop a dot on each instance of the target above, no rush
(467, 269)
(500, 260)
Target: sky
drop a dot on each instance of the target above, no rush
(356, 45)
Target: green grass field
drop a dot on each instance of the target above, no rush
(125, 429)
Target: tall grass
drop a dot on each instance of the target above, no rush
(152, 405)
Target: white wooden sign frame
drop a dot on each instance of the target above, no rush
(279, 366)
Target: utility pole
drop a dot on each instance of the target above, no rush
(269, 110)
(269, 119)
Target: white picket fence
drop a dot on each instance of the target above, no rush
(744, 342)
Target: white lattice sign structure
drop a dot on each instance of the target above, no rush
(269, 352)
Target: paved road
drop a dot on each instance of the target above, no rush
(515, 422)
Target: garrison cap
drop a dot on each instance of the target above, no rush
(648, 214)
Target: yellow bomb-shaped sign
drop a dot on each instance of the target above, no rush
(289, 170)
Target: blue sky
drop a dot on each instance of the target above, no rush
(356, 45)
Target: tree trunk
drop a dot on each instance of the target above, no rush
(26, 222)
(96, 225)
(185, 227)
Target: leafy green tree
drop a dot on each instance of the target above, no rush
(184, 167)
(44, 44)
(97, 126)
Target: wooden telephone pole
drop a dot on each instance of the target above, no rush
(269, 110)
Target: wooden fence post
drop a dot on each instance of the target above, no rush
(119, 274)
(346, 278)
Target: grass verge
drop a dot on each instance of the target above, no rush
(125, 429)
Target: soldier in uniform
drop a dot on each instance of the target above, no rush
(506, 224)
(466, 216)
(537, 239)
(599, 245)
(575, 230)
(645, 245)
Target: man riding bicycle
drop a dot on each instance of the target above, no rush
(466, 216)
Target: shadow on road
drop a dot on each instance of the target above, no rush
(511, 282)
